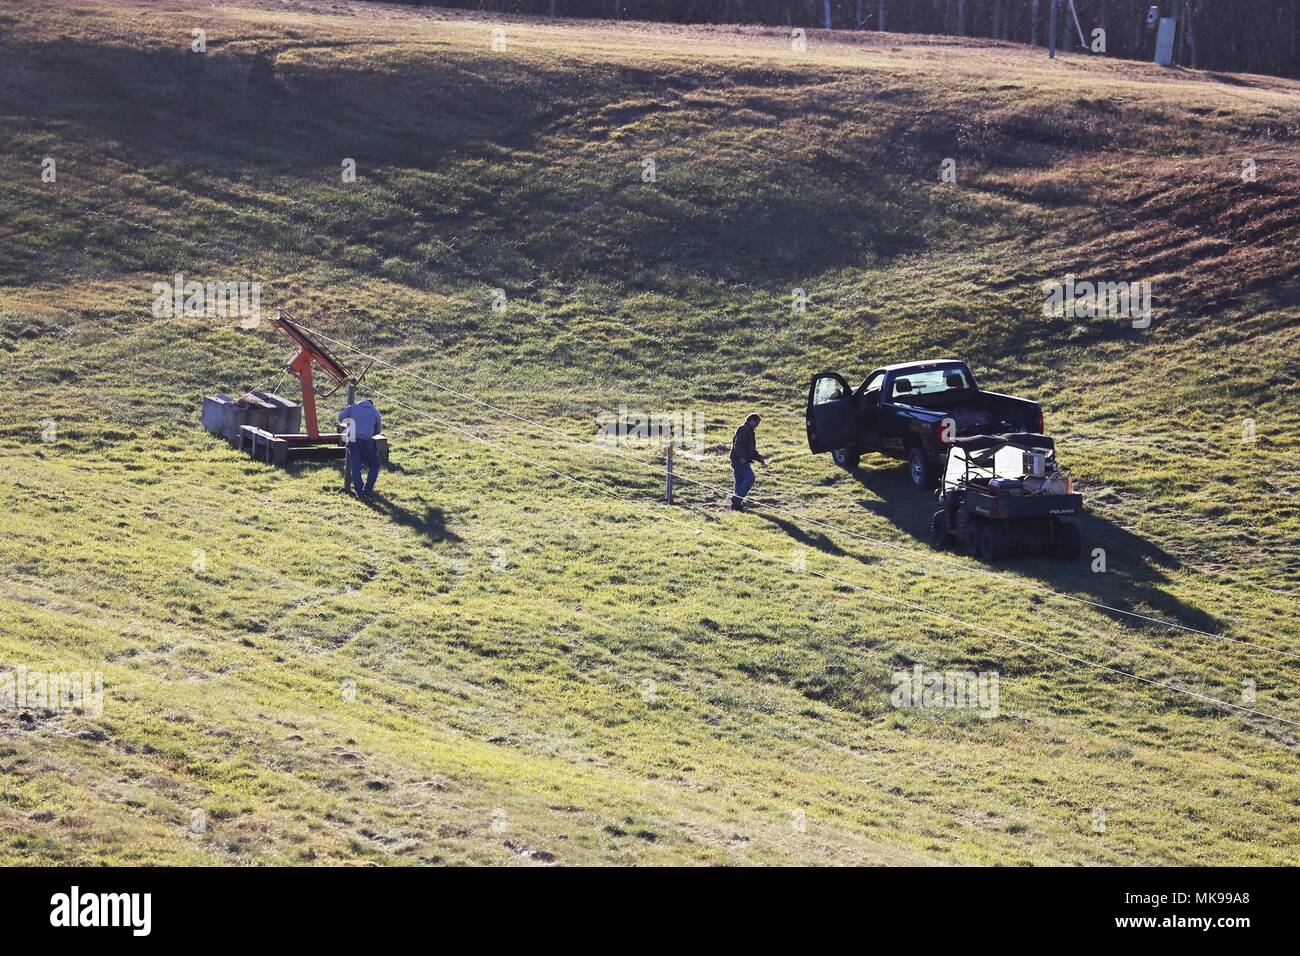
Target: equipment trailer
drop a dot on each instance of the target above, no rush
(1003, 491)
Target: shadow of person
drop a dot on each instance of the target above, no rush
(432, 524)
(1118, 568)
(810, 539)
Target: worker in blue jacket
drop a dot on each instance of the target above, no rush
(366, 423)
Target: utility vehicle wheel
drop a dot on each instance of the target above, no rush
(846, 459)
(939, 536)
(971, 539)
(995, 542)
(1070, 543)
(919, 468)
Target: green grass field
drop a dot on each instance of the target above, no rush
(519, 653)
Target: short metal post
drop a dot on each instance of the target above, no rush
(668, 457)
(347, 446)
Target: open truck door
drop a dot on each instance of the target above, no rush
(830, 414)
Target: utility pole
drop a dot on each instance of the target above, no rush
(347, 445)
(1051, 30)
(1189, 32)
(1180, 34)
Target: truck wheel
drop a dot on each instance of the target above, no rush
(971, 539)
(846, 459)
(995, 542)
(1070, 543)
(939, 536)
(919, 468)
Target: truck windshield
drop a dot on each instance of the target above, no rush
(930, 381)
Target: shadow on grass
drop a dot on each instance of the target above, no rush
(1137, 569)
(276, 117)
(807, 538)
(432, 523)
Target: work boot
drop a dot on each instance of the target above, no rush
(737, 504)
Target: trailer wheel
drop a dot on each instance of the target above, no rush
(995, 542)
(919, 468)
(846, 458)
(940, 538)
(1070, 543)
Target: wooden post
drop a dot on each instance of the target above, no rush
(1051, 29)
(668, 457)
(347, 446)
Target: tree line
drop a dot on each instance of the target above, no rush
(1252, 36)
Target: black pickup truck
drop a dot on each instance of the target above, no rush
(910, 411)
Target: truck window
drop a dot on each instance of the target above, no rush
(828, 390)
(932, 381)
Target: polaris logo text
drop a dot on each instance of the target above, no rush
(103, 909)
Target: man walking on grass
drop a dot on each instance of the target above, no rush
(743, 454)
(366, 424)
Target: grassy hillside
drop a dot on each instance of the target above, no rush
(519, 653)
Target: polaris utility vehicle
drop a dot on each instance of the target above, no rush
(909, 411)
(1006, 491)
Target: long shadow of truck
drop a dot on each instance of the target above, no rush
(1136, 574)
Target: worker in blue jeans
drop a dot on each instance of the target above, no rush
(744, 453)
(366, 423)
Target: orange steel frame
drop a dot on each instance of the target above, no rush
(309, 351)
